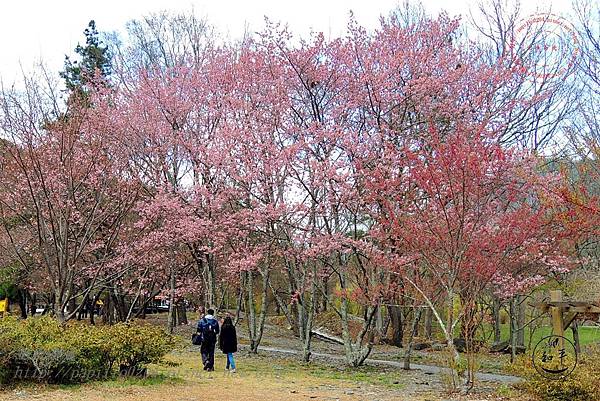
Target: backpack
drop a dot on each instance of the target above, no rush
(209, 333)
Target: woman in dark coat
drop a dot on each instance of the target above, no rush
(228, 342)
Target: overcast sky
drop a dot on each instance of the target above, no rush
(31, 30)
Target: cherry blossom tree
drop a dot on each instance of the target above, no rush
(63, 186)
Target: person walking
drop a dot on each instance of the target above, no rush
(228, 342)
(208, 327)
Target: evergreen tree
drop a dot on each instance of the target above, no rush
(93, 56)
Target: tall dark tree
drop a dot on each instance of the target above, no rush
(94, 56)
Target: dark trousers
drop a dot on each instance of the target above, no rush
(208, 355)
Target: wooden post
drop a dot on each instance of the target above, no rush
(575, 329)
(557, 315)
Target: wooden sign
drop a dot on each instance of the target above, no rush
(565, 314)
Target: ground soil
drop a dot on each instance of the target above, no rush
(260, 378)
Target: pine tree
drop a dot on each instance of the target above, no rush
(94, 56)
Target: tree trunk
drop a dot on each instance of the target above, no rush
(250, 311)
(32, 304)
(93, 306)
(468, 321)
(397, 321)
(379, 322)
(181, 315)
(469, 325)
(293, 311)
(520, 321)
(513, 329)
(428, 324)
(145, 304)
(223, 303)
(454, 361)
(105, 309)
(359, 350)
(496, 317)
(240, 300)
(277, 304)
(210, 299)
(413, 333)
(282, 306)
(307, 309)
(83, 310)
(255, 329)
(23, 303)
(206, 270)
(119, 305)
(110, 309)
(71, 306)
(263, 307)
(171, 315)
(59, 312)
(325, 286)
(575, 330)
(449, 334)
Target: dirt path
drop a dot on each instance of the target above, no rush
(260, 378)
(213, 389)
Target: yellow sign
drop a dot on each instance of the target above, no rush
(4, 306)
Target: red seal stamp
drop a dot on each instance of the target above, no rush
(546, 45)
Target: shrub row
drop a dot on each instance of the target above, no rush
(41, 349)
(583, 384)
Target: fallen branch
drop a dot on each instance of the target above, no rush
(320, 334)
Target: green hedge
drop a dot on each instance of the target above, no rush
(41, 349)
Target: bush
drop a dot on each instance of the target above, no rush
(36, 348)
(581, 385)
(92, 345)
(41, 349)
(7, 347)
(134, 345)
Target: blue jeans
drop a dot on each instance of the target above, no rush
(230, 361)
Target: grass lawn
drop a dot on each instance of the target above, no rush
(587, 334)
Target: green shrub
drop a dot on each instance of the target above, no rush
(41, 349)
(7, 347)
(134, 345)
(36, 349)
(583, 384)
(92, 345)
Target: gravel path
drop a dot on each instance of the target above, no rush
(489, 377)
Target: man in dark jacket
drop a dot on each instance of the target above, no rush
(208, 327)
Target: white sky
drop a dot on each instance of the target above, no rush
(31, 30)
